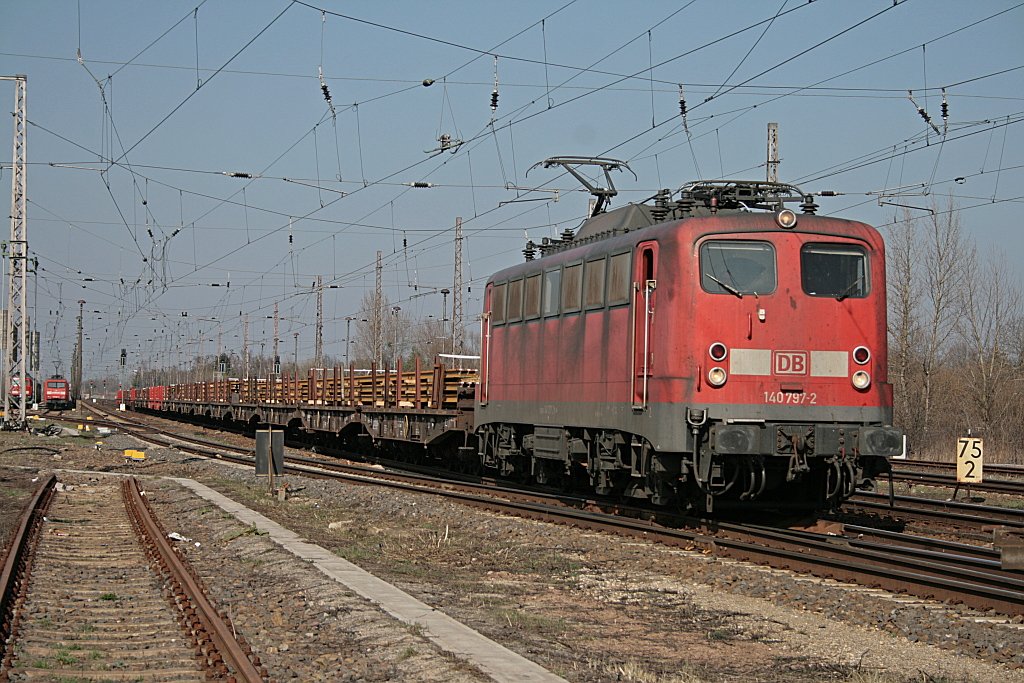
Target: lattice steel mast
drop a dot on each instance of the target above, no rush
(277, 342)
(377, 319)
(15, 331)
(245, 347)
(76, 373)
(318, 348)
(457, 333)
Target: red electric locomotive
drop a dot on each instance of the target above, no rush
(57, 394)
(713, 350)
(33, 394)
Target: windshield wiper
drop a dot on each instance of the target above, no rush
(728, 288)
(846, 292)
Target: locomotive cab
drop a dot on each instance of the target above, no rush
(792, 378)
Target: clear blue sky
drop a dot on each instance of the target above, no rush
(574, 78)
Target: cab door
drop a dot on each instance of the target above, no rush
(483, 391)
(645, 283)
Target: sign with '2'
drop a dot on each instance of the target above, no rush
(969, 457)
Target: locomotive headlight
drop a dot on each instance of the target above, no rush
(718, 351)
(786, 219)
(861, 355)
(861, 380)
(716, 377)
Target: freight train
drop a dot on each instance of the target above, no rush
(711, 348)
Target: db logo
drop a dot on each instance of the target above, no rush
(789, 362)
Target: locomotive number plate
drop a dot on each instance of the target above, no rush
(793, 398)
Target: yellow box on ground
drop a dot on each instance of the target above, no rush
(132, 454)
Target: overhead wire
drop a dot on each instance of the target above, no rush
(199, 87)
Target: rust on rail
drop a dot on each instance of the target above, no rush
(13, 583)
(215, 638)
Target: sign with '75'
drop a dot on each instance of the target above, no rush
(969, 457)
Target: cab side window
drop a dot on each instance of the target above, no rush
(572, 287)
(498, 304)
(552, 291)
(618, 279)
(515, 300)
(531, 302)
(594, 283)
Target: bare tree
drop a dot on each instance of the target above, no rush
(904, 291)
(991, 309)
(396, 333)
(429, 338)
(369, 337)
(382, 334)
(942, 277)
(1015, 418)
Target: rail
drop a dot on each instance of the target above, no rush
(16, 565)
(25, 607)
(189, 595)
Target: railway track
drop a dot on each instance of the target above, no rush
(943, 474)
(900, 563)
(953, 515)
(93, 591)
(936, 466)
(949, 513)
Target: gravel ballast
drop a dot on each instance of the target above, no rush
(587, 606)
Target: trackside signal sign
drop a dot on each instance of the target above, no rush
(969, 457)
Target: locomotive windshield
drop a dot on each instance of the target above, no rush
(737, 267)
(834, 270)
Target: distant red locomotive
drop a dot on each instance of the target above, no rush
(716, 350)
(57, 394)
(32, 395)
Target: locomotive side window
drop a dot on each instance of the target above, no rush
(618, 279)
(552, 291)
(834, 270)
(737, 267)
(498, 304)
(572, 287)
(593, 283)
(515, 300)
(531, 302)
(648, 264)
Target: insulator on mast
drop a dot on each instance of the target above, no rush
(945, 112)
(682, 109)
(923, 113)
(324, 89)
(494, 93)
